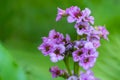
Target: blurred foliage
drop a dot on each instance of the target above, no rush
(9, 69)
(24, 22)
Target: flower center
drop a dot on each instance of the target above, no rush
(56, 36)
(58, 72)
(89, 52)
(57, 51)
(80, 53)
(47, 48)
(81, 27)
(77, 14)
(64, 40)
(86, 60)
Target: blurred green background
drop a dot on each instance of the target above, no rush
(24, 22)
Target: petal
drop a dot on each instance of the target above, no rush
(54, 59)
(58, 17)
(70, 19)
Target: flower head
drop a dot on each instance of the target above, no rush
(87, 62)
(78, 54)
(46, 48)
(83, 50)
(103, 32)
(56, 37)
(82, 28)
(86, 16)
(79, 44)
(87, 76)
(60, 14)
(58, 53)
(94, 37)
(74, 14)
(56, 72)
(91, 50)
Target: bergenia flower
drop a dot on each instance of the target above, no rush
(74, 14)
(82, 28)
(91, 50)
(56, 36)
(46, 48)
(79, 44)
(89, 45)
(94, 37)
(86, 16)
(83, 50)
(58, 53)
(78, 54)
(87, 76)
(103, 32)
(87, 62)
(60, 14)
(56, 72)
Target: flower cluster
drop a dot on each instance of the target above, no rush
(83, 50)
(55, 45)
(57, 72)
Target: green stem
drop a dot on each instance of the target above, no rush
(76, 68)
(66, 61)
(76, 65)
(78, 37)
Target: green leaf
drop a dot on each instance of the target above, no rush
(9, 69)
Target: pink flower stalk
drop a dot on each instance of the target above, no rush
(83, 50)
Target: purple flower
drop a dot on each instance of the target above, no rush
(56, 71)
(46, 39)
(83, 50)
(72, 78)
(82, 28)
(103, 32)
(78, 54)
(46, 48)
(79, 44)
(60, 14)
(74, 14)
(86, 16)
(87, 62)
(56, 36)
(94, 37)
(96, 43)
(87, 76)
(58, 53)
(89, 45)
(91, 50)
